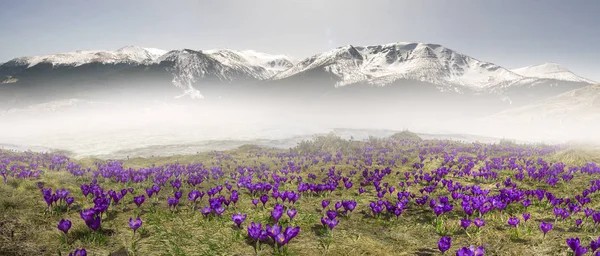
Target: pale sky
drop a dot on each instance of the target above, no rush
(511, 33)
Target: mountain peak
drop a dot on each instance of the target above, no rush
(551, 70)
(141, 53)
(549, 67)
(271, 63)
(386, 63)
(129, 48)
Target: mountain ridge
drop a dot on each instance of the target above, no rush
(193, 71)
(283, 66)
(383, 64)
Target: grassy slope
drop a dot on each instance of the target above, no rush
(26, 229)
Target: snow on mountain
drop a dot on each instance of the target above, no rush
(189, 66)
(128, 54)
(384, 64)
(551, 71)
(272, 64)
(377, 65)
(140, 54)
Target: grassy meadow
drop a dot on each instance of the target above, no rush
(29, 227)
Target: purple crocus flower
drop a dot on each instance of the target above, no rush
(338, 205)
(280, 239)
(514, 221)
(264, 198)
(94, 223)
(254, 230)
(291, 213)
(156, 189)
(580, 251)
(595, 244)
(578, 222)
(69, 201)
(277, 212)
(479, 222)
(324, 203)
(331, 214)
(234, 197)
(258, 234)
(238, 218)
(87, 214)
(173, 202)
(219, 210)
(62, 193)
(64, 225)
(573, 243)
(135, 224)
(545, 227)
(149, 192)
(438, 210)
(193, 195)
(361, 190)
(85, 189)
(263, 235)
(348, 185)
(206, 211)
(255, 202)
(290, 233)
(596, 217)
(444, 244)
(465, 223)
(331, 223)
(274, 230)
(349, 205)
(79, 252)
(139, 200)
(588, 212)
(226, 202)
(178, 195)
(526, 216)
(471, 251)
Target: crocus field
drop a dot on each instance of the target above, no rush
(383, 196)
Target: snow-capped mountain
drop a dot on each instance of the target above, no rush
(186, 67)
(384, 64)
(189, 67)
(551, 71)
(415, 68)
(264, 65)
(226, 65)
(128, 54)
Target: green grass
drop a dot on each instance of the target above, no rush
(26, 228)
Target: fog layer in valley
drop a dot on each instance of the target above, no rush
(139, 127)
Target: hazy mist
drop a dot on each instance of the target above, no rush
(94, 127)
